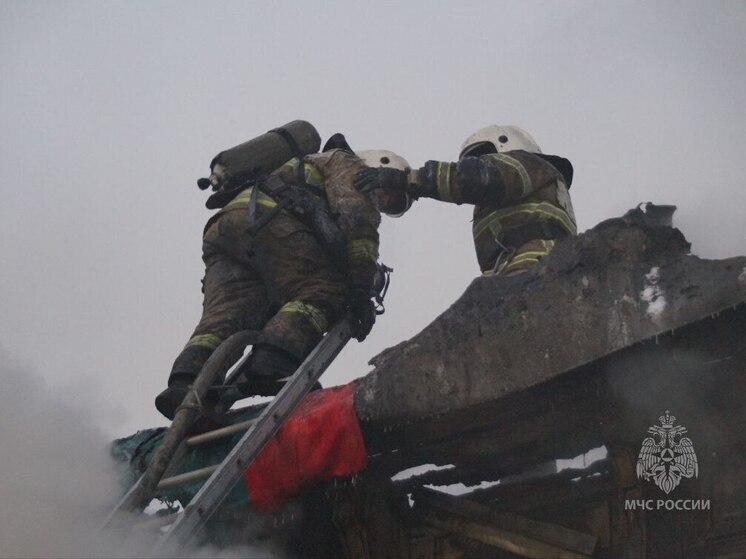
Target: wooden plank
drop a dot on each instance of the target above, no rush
(539, 532)
(481, 467)
(563, 426)
(514, 495)
(528, 412)
(503, 539)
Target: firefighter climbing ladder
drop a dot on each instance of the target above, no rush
(222, 477)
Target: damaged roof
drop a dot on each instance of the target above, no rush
(617, 284)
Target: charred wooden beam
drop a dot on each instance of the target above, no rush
(533, 493)
(519, 535)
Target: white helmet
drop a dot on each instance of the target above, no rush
(383, 158)
(501, 138)
(393, 204)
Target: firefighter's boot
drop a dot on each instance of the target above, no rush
(266, 371)
(168, 401)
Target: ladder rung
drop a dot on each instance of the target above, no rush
(220, 433)
(194, 475)
(156, 522)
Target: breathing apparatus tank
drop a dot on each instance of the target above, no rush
(233, 168)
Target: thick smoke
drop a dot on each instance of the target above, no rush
(57, 476)
(57, 479)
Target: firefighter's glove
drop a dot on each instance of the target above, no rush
(388, 180)
(362, 313)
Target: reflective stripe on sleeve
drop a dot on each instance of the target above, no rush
(520, 169)
(447, 189)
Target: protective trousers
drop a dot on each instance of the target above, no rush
(279, 281)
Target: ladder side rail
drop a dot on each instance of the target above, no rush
(142, 492)
(121, 508)
(209, 498)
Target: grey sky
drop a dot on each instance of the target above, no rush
(109, 112)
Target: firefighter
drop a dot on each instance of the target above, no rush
(308, 263)
(522, 206)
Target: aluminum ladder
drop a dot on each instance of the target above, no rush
(221, 477)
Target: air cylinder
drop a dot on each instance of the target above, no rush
(262, 155)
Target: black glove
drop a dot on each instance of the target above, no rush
(362, 313)
(390, 180)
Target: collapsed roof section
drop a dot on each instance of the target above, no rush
(616, 327)
(624, 281)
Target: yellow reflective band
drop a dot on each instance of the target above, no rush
(532, 256)
(242, 200)
(313, 176)
(520, 169)
(210, 341)
(362, 249)
(309, 312)
(543, 210)
(526, 259)
(445, 188)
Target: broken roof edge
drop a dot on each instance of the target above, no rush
(617, 284)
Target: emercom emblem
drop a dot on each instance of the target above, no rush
(664, 458)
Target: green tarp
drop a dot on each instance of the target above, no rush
(135, 452)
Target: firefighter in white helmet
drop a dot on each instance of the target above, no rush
(392, 203)
(522, 205)
(304, 256)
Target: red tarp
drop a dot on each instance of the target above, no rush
(319, 441)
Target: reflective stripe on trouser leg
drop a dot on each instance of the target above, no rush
(527, 258)
(234, 295)
(309, 312)
(362, 249)
(210, 341)
(196, 351)
(296, 328)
